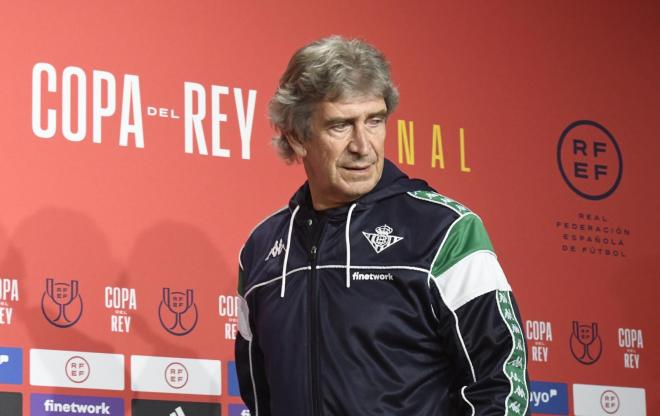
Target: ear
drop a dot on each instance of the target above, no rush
(297, 146)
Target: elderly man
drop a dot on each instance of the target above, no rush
(370, 293)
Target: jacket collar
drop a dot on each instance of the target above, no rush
(392, 182)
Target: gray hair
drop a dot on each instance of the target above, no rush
(331, 68)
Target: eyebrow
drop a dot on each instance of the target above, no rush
(335, 120)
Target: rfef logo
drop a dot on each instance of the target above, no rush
(238, 410)
(142, 407)
(594, 400)
(60, 405)
(177, 311)
(589, 160)
(176, 375)
(11, 404)
(77, 369)
(549, 398)
(61, 303)
(586, 344)
(11, 366)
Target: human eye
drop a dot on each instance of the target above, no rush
(375, 121)
(340, 127)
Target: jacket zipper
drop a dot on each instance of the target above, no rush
(313, 331)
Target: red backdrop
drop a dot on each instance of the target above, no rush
(512, 76)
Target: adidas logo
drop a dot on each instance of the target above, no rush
(178, 412)
(382, 238)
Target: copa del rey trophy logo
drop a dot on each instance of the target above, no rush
(61, 303)
(178, 312)
(586, 344)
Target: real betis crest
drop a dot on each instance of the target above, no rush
(382, 239)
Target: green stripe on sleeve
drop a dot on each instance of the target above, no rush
(515, 366)
(465, 236)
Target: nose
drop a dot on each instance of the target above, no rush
(359, 141)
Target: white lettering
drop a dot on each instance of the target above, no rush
(193, 120)
(5, 315)
(9, 289)
(538, 330)
(245, 121)
(630, 360)
(228, 306)
(98, 110)
(216, 118)
(195, 112)
(51, 79)
(372, 276)
(120, 323)
(131, 100)
(120, 298)
(81, 87)
(539, 353)
(73, 407)
(74, 92)
(630, 338)
(230, 330)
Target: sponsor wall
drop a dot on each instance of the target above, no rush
(135, 159)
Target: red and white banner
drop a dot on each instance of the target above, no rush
(135, 158)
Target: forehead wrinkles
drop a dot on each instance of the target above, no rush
(351, 108)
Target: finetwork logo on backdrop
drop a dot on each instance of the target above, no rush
(238, 410)
(61, 405)
(589, 160)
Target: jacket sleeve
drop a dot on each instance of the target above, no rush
(249, 359)
(480, 323)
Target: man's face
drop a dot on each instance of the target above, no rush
(343, 158)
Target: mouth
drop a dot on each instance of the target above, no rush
(358, 168)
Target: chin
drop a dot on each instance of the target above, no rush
(361, 187)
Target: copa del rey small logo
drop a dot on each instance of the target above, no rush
(382, 238)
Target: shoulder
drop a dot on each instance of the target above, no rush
(263, 236)
(463, 232)
(447, 204)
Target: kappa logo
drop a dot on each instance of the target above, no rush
(382, 238)
(277, 249)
